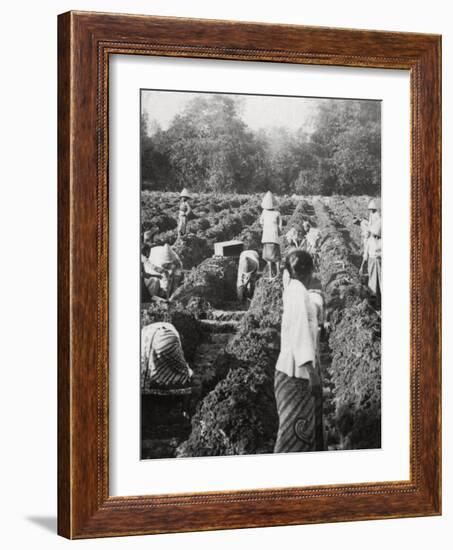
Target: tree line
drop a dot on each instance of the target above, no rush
(209, 148)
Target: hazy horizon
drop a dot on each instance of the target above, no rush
(257, 111)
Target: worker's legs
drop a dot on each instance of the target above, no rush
(269, 269)
(240, 292)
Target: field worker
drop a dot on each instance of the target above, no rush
(147, 243)
(311, 238)
(163, 365)
(364, 230)
(164, 270)
(247, 273)
(294, 237)
(312, 241)
(271, 222)
(298, 391)
(373, 210)
(184, 211)
(373, 257)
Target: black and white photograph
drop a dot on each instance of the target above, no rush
(260, 274)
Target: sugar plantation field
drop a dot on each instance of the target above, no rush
(233, 348)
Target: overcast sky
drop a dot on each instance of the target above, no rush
(257, 111)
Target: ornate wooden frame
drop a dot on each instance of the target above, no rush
(85, 41)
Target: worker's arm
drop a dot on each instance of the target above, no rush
(156, 298)
(313, 373)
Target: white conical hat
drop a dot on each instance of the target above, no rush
(375, 227)
(373, 205)
(268, 201)
(185, 193)
(161, 255)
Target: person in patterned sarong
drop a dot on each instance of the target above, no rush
(298, 391)
(164, 370)
(163, 365)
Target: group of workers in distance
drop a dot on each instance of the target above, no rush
(297, 384)
(161, 267)
(305, 238)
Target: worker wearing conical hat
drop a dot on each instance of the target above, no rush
(271, 222)
(372, 254)
(373, 209)
(163, 365)
(148, 242)
(164, 271)
(184, 211)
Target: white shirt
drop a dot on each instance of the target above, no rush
(272, 226)
(299, 331)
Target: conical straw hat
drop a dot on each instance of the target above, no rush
(161, 255)
(373, 204)
(268, 201)
(167, 254)
(185, 193)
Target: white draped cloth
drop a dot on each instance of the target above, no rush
(299, 331)
(271, 222)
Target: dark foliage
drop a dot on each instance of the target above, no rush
(208, 147)
(355, 340)
(239, 415)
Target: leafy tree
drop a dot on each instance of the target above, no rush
(209, 148)
(212, 149)
(155, 164)
(348, 134)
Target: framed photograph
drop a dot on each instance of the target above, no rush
(249, 275)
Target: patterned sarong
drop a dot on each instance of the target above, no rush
(300, 415)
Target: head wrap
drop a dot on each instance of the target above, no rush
(170, 367)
